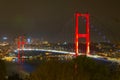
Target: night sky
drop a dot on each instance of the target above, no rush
(53, 20)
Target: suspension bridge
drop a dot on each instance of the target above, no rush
(21, 41)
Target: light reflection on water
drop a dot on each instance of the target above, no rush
(27, 67)
(20, 67)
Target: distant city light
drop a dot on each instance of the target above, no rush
(29, 40)
(5, 38)
(65, 43)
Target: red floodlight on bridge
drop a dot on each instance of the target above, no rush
(21, 44)
(86, 35)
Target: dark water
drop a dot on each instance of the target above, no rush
(27, 67)
(30, 66)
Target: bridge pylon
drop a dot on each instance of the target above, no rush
(79, 35)
(20, 44)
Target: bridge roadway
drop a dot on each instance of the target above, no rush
(72, 53)
(45, 50)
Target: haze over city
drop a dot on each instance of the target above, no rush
(54, 20)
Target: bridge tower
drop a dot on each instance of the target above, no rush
(20, 43)
(85, 35)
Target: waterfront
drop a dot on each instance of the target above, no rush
(31, 66)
